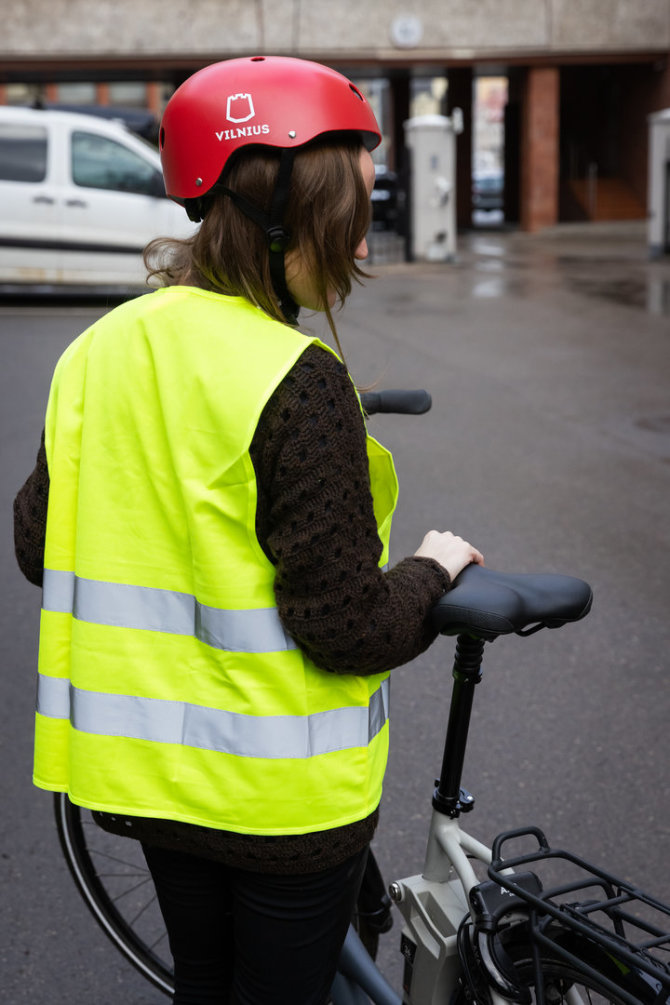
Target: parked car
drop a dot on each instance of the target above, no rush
(487, 190)
(80, 197)
(138, 120)
(385, 199)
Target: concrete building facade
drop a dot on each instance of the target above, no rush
(583, 75)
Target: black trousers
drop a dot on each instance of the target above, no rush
(245, 938)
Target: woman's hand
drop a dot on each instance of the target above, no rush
(452, 552)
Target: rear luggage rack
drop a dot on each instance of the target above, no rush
(631, 925)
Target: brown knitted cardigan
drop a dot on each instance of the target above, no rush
(315, 522)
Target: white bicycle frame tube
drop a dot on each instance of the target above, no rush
(433, 906)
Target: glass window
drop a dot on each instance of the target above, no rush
(22, 94)
(23, 152)
(128, 93)
(77, 93)
(98, 162)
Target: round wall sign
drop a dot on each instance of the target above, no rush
(406, 31)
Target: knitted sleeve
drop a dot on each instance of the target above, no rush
(30, 519)
(315, 521)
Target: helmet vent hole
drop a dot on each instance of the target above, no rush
(258, 59)
(162, 138)
(357, 92)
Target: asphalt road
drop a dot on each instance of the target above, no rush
(548, 446)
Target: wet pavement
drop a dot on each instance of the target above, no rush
(606, 261)
(590, 287)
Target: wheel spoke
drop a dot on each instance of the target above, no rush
(114, 858)
(150, 903)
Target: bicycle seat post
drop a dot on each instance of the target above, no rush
(448, 797)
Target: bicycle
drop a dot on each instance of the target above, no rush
(543, 924)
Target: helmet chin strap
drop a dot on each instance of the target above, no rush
(275, 232)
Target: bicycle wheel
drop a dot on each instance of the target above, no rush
(562, 982)
(112, 877)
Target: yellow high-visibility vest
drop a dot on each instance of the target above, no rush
(167, 684)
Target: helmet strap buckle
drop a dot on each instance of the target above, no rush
(278, 238)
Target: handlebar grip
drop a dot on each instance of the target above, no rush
(399, 401)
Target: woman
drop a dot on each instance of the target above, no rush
(217, 630)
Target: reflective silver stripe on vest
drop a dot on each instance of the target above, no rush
(117, 604)
(214, 729)
(53, 697)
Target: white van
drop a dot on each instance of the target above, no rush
(80, 197)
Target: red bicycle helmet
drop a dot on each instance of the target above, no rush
(276, 101)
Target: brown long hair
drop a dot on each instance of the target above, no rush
(327, 216)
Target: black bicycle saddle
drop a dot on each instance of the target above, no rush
(487, 604)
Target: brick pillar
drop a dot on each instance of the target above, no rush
(153, 91)
(540, 148)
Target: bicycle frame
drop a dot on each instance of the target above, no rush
(433, 906)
